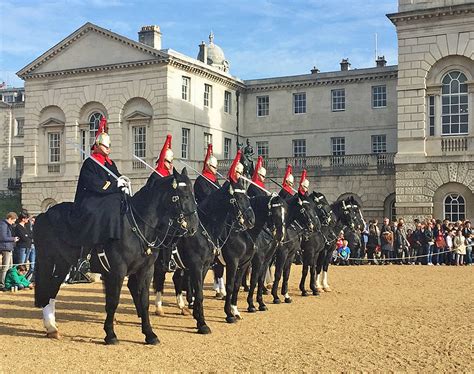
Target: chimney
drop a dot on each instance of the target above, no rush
(151, 36)
(345, 64)
(381, 62)
(202, 52)
(314, 70)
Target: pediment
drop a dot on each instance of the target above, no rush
(52, 122)
(90, 46)
(137, 116)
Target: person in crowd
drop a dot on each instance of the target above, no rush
(418, 237)
(439, 244)
(343, 253)
(411, 250)
(449, 246)
(23, 231)
(429, 243)
(469, 245)
(31, 254)
(373, 240)
(459, 247)
(7, 244)
(401, 244)
(386, 240)
(16, 278)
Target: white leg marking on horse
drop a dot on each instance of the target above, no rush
(325, 279)
(49, 317)
(158, 301)
(235, 311)
(318, 281)
(180, 300)
(287, 295)
(222, 286)
(216, 284)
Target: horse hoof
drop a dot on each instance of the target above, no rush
(276, 301)
(288, 300)
(252, 309)
(319, 289)
(327, 289)
(304, 293)
(238, 317)
(53, 335)
(230, 319)
(316, 293)
(265, 291)
(262, 308)
(152, 340)
(204, 330)
(191, 306)
(159, 312)
(185, 312)
(111, 341)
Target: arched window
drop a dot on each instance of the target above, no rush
(94, 121)
(454, 116)
(393, 211)
(454, 207)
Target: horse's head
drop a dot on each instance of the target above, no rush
(240, 205)
(346, 213)
(323, 208)
(303, 212)
(277, 212)
(183, 213)
(359, 220)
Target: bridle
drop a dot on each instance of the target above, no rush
(327, 215)
(271, 222)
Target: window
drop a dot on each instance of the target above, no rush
(185, 134)
(139, 144)
(94, 121)
(299, 148)
(185, 88)
(263, 106)
(299, 103)
(379, 96)
(19, 167)
(454, 207)
(227, 102)
(208, 95)
(8, 98)
(20, 124)
(431, 114)
(393, 211)
(379, 143)
(54, 151)
(338, 146)
(262, 149)
(207, 141)
(338, 99)
(227, 145)
(454, 96)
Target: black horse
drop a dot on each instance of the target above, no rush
(223, 211)
(347, 216)
(240, 248)
(302, 222)
(317, 243)
(162, 211)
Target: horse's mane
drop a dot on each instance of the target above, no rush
(260, 206)
(153, 182)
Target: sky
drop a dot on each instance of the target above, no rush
(260, 38)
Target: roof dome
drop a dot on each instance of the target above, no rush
(214, 55)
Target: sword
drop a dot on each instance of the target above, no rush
(202, 175)
(148, 166)
(280, 185)
(250, 181)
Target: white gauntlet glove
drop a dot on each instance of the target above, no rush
(124, 184)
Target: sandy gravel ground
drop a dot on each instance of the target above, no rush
(378, 318)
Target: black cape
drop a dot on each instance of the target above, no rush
(253, 191)
(203, 188)
(96, 215)
(284, 194)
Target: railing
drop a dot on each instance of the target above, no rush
(14, 183)
(454, 144)
(137, 165)
(54, 168)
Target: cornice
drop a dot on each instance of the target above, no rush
(440, 12)
(320, 82)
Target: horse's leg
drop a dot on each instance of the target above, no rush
(132, 285)
(304, 272)
(279, 263)
(178, 280)
(261, 284)
(286, 276)
(253, 283)
(159, 284)
(196, 275)
(219, 285)
(189, 289)
(235, 292)
(312, 273)
(143, 280)
(326, 287)
(231, 270)
(50, 273)
(113, 284)
(319, 268)
(245, 275)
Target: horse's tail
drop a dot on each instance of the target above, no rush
(44, 268)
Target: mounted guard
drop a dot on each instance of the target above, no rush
(164, 164)
(236, 169)
(207, 182)
(304, 185)
(288, 181)
(258, 178)
(96, 214)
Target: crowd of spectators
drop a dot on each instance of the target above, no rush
(17, 252)
(431, 242)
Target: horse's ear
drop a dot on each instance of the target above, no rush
(175, 173)
(184, 172)
(231, 189)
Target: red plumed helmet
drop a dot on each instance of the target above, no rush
(304, 183)
(165, 154)
(101, 136)
(288, 180)
(259, 169)
(236, 166)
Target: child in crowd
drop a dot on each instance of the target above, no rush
(16, 277)
(343, 253)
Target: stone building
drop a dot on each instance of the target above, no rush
(344, 127)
